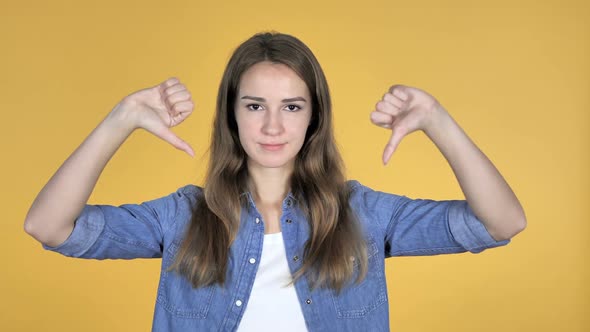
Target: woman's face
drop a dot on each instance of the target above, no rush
(273, 110)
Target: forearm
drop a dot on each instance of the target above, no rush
(486, 191)
(51, 216)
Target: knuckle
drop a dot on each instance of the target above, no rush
(172, 99)
(396, 89)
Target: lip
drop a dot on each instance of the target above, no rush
(272, 147)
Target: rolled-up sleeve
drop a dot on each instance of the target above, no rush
(468, 230)
(87, 227)
(423, 227)
(122, 232)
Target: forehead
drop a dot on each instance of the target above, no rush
(266, 79)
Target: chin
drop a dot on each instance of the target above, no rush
(277, 162)
(271, 164)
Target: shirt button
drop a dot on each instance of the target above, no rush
(252, 261)
(239, 303)
(257, 220)
(308, 301)
(288, 202)
(289, 221)
(295, 258)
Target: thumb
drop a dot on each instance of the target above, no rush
(392, 144)
(169, 136)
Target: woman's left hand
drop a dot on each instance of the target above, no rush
(405, 109)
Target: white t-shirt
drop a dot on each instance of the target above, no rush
(271, 305)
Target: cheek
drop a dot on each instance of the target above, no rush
(302, 127)
(247, 134)
(245, 127)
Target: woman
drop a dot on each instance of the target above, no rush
(276, 237)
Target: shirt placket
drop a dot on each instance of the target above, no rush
(247, 270)
(295, 232)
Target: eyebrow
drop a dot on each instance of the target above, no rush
(288, 100)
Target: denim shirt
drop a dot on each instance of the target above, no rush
(394, 225)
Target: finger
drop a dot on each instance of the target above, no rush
(179, 96)
(393, 143)
(185, 107)
(175, 89)
(394, 100)
(386, 107)
(168, 83)
(162, 87)
(382, 119)
(182, 107)
(179, 117)
(400, 91)
(170, 137)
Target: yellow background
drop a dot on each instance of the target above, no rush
(515, 76)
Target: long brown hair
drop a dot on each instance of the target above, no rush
(318, 181)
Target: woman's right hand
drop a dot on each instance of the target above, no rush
(157, 109)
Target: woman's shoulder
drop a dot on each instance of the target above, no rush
(357, 191)
(187, 193)
(368, 196)
(354, 184)
(356, 187)
(188, 189)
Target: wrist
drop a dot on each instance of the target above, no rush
(439, 117)
(121, 118)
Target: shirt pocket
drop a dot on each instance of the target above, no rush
(176, 294)
(356, 301)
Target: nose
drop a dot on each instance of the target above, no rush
(273, 123)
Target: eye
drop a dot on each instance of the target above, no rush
(248, 106)
(294, 110)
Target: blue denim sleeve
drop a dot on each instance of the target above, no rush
(424, 227)
(121, 232)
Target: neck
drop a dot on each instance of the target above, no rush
(269, 186)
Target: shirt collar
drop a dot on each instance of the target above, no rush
(288, 202)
